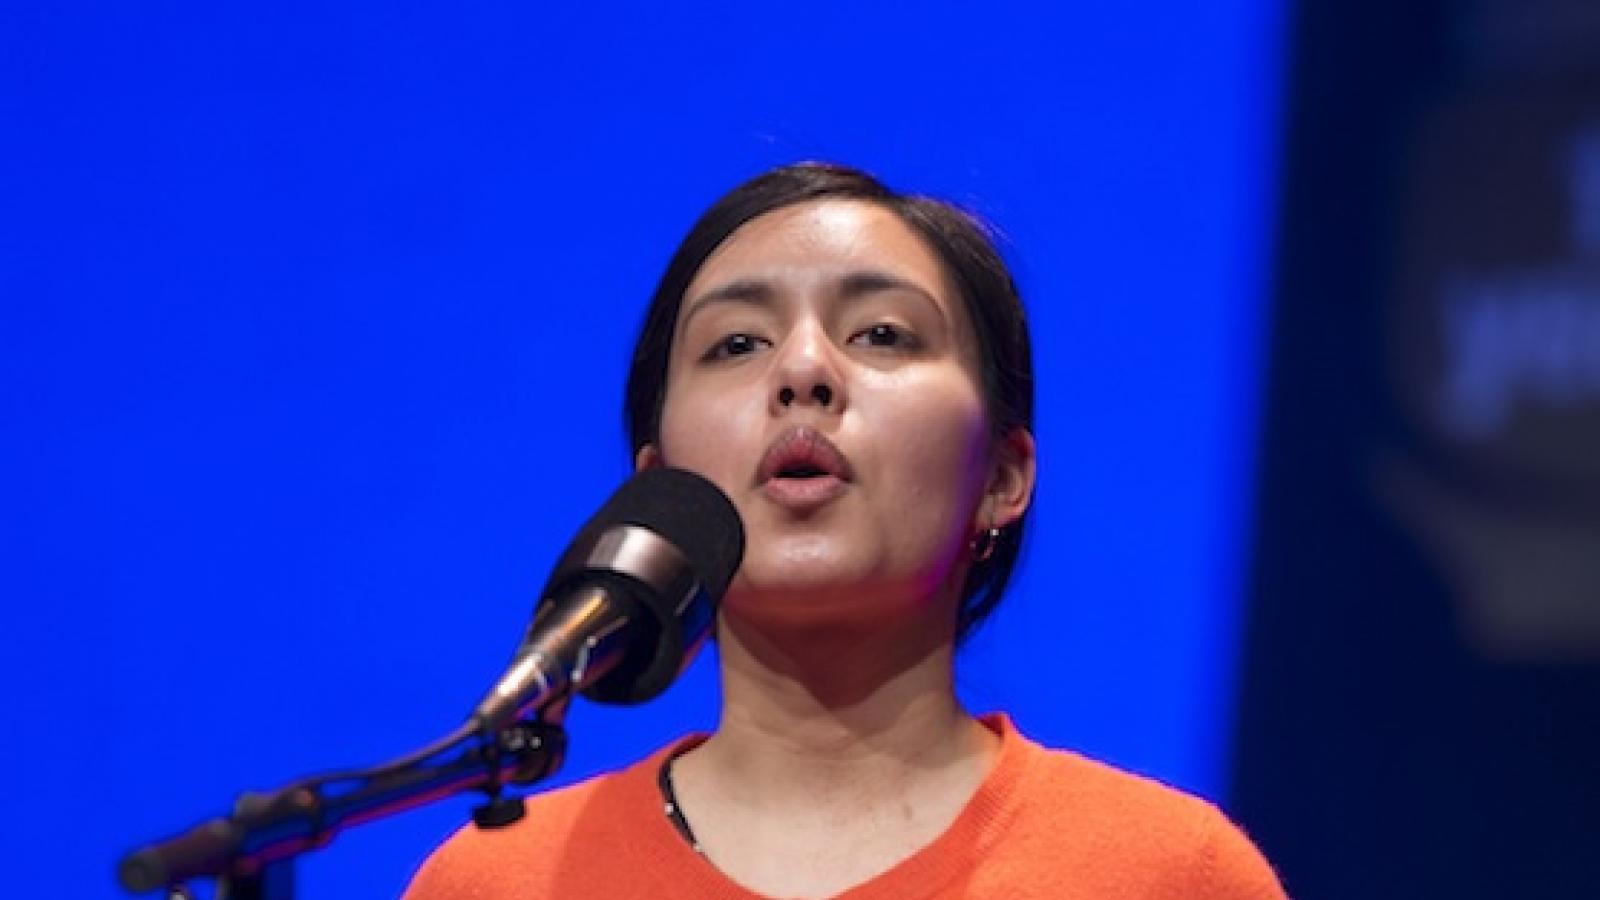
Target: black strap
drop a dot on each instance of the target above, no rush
(669, 799)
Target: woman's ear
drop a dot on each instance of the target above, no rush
(1011, 479)
(648, 457)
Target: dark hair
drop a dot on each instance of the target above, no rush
(962, 244)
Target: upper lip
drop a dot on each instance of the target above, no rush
(802, 447)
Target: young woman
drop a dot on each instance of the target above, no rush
(851, 366)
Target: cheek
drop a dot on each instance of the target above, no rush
(935, 449)
(700, 429)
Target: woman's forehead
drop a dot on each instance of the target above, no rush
(823, 239)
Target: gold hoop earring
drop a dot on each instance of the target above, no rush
(983, 544)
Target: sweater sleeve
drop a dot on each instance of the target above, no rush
(1232, 868)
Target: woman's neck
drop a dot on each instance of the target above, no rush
(839, 709)
(840, 746)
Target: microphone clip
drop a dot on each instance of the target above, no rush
(534, 750)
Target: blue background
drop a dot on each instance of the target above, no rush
(313, 326)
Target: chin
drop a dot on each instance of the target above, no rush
(819, 590)
(822, 577)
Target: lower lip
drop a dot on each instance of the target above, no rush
(803, 493)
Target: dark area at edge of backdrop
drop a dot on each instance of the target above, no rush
(1377, 755)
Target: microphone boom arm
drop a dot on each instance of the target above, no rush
(269, 829)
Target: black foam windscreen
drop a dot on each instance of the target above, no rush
(690, 512)
(699, 521)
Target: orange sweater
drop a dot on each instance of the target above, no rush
(1043, 824)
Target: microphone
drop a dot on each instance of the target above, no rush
(630, 600)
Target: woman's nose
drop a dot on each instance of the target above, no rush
(807, 374)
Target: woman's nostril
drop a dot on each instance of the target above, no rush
(820, 394)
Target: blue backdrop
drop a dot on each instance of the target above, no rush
(313, 333)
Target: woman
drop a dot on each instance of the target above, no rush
(852, 367)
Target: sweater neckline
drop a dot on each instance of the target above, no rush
(959, 848)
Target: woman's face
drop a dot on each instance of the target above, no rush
(823, 373)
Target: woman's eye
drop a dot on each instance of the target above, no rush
(733, 345)
(885, 335)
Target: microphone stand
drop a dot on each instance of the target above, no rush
(514, 736)
(251, 852)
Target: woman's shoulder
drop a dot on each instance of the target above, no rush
(1100, 817)
(505, 861)
(1067, 779)
(474, 861)
(1106, 792)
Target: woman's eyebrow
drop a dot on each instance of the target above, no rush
(860, 284)
(854, 286)
(745, 290)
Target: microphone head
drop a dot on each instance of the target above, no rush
(693, 515)
(699, 521)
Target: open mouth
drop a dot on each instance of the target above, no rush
(802, 453)
(803, 470)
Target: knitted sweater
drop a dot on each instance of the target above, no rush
(1043, 824)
